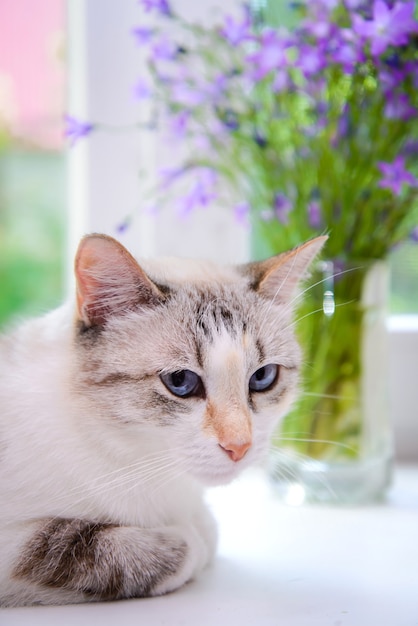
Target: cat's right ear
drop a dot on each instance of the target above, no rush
(109, 281)
(278, 277)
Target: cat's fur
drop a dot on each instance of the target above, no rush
(101, 465)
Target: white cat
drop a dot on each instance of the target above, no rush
(115, 411)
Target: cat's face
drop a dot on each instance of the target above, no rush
(200, 358)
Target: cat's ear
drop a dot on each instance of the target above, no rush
(109, 281)
(277, 278)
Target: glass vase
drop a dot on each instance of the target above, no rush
(335, 446)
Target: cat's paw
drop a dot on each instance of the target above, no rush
(199, 544)
(82, 560)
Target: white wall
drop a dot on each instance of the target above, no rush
(104, 183)
(403, 384)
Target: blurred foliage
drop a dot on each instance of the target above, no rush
(32, 222)
(404, 259)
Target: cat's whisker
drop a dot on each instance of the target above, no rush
(158, 472)
(304, 291)
(128, 481)
(140, 468)
(313, 440)
(162, 481)
(150, 465)
(280, 461)
(300, 295)
(331, 396)
(164, 475)
(296, 321)
(287, 466)
(141, 471)
(134, 481)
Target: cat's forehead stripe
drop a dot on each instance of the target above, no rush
(260, 350)
(215, 311)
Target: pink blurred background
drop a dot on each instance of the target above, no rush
(32, 70)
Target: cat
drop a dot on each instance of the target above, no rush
(118, 408)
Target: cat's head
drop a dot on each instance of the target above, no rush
(199, 357)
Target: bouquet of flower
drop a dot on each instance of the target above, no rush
(306, 131)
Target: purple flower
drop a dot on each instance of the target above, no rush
(142, 34)
(201, 194)
(235, 31)
(160, 6)
(75, 129)
(320, 27)
(398, 107)
(318, 24)
(410, 69)
(282, 81)
(324, 4)
(347, 57)
(179, 124)
(414, 234)
(282, 207)
(344, 48)
(413, 68)
(229, 119)
(395, 176)
(242, 214)
(216, 89)
(391, 78)
(311, 60)
(345, 126)
(388, 26)
(123, 226)
(142, 89)
(169, 175)
(354, 4)
(314, 214)
(260, 140)
(163, 49)
(185, 95)
(411, 148)
(270, 56)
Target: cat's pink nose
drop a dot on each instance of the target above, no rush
(236, 451)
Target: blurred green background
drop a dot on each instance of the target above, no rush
(32, 159)
(32, 231)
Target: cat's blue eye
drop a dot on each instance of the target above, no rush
(264, 378)
(183, 383)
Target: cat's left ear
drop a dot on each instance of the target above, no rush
(277, 278)
(109, 281)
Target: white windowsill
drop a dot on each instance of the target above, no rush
(403, 323)
(281, 565)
